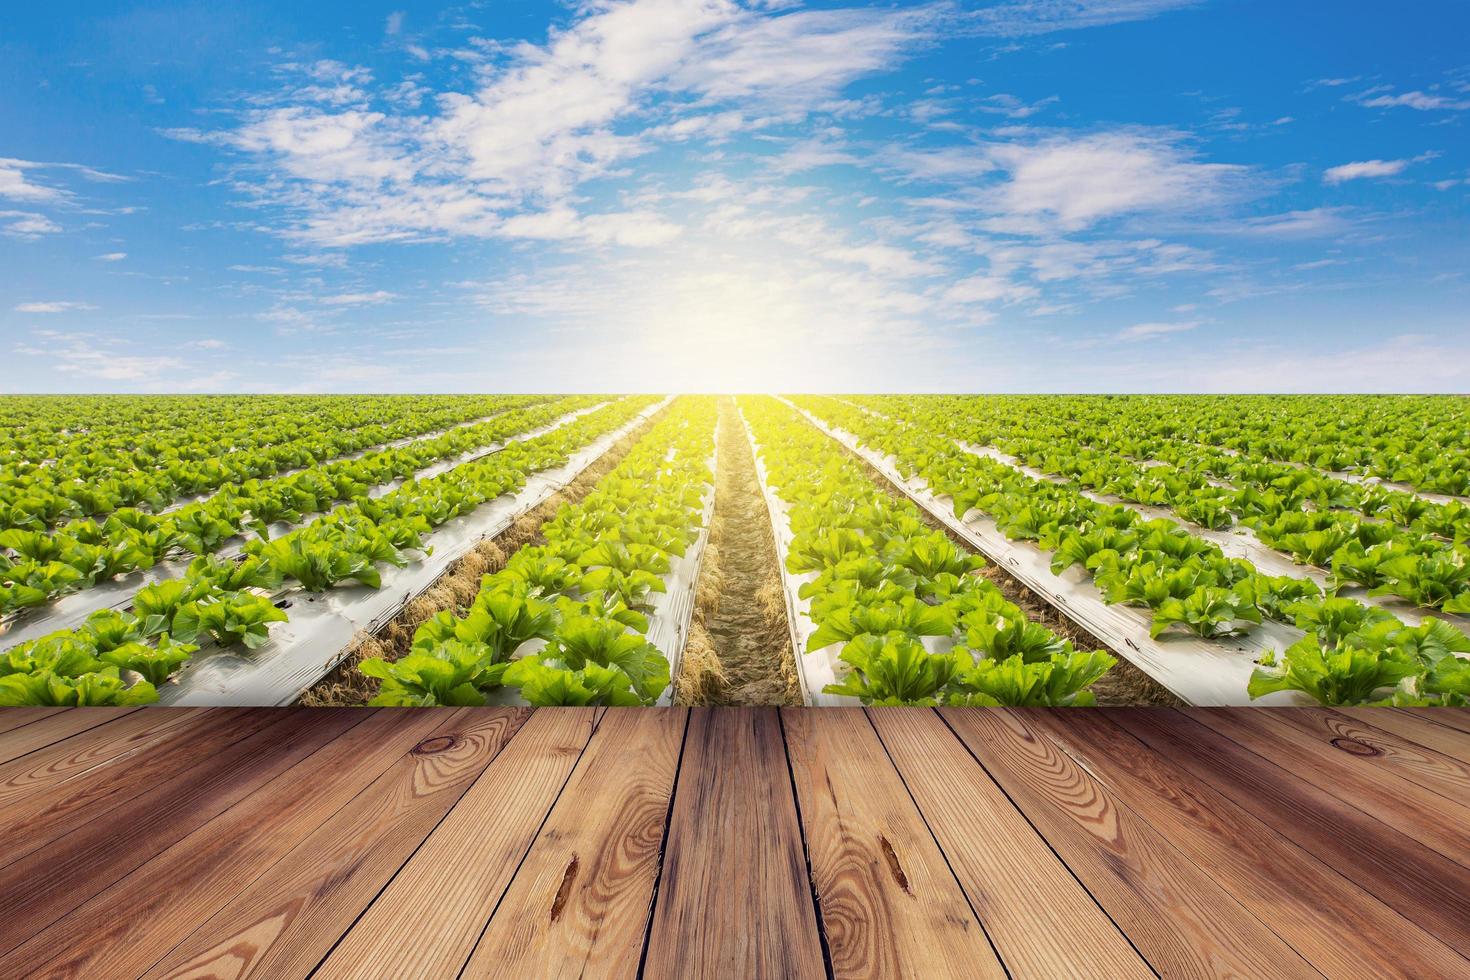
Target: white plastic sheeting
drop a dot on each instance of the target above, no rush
(671, 610)
(1202, 672)
(69, 611)
(302, 651)
(815, 670)
(183, 502)
(1237, 542)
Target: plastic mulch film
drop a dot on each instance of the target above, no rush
(1201, 672)
(69, 611)
(302, 651)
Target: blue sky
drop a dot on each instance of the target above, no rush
(1031, 195)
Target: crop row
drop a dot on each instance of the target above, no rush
(119, 656)
(38, 567)
(1351, 653)
(915, 622)
(1421, 441)
(1419, 551)
(52, 486)
(565, 622)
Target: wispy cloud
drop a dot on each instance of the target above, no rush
(358, 299)
(111, 256)
(1371, 168)
(1362, 169)
(1021, 17)
(1147, 331)
(55, 306)
(26, 224)
(507, 158)
(15, 186)
(1377, 98)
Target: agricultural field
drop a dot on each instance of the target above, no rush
(822, 550)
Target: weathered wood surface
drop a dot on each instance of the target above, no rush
(733, 842)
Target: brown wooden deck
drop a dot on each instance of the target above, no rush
(734, 843)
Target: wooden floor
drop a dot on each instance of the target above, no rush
(734, 843)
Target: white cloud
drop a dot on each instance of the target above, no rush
(798, 60)
(507, 158)
(1423, 101)
(96, 360)
(1021, 17)
(208, 343)
(1014, 108)
(1306, 223)
(58, 306)
(15, 186)
(394, 23)
(1363, 168)
(358, 299)
(1145, 331)
(989, 288)
(1407, 362)
(27, 224)
(111, 256)
(1075, 182)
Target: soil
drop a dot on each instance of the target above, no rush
(739, 648)
(1125, 684)
(456, 589)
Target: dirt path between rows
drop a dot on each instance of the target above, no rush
(1124, 685)
(739, 647)
(456, 589)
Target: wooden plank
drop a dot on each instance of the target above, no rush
(447, 891)
(1370, 782)
(191, 880)
(56, 727)
(58, 810)
(1380, 747)
(54, 879)
(1040, 918)
(1414, 724)
(1455, 718)
(13, 718)
(890, 905)
(735, 900)
(1404, 874)
(284, 923)
(100, 745)
(580, 903)
(1338, 927)
(1178, 917)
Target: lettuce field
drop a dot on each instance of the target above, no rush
(823, 550)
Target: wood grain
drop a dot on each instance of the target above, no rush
(13, 718)
(109, 742)
(1340, 928)
(1129, 867)
(1364, 738)
(481, 842)
(1456, 718)
(56, 878)
(1416, 725)
(664, 843)
(1042, 921)
(51, 726)
(580, 904)
(1401, 872)
(1354, 772)
(735, 900)
(38, 819)
(284, 922)
(889, 903)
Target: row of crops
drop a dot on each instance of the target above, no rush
(228, 550)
